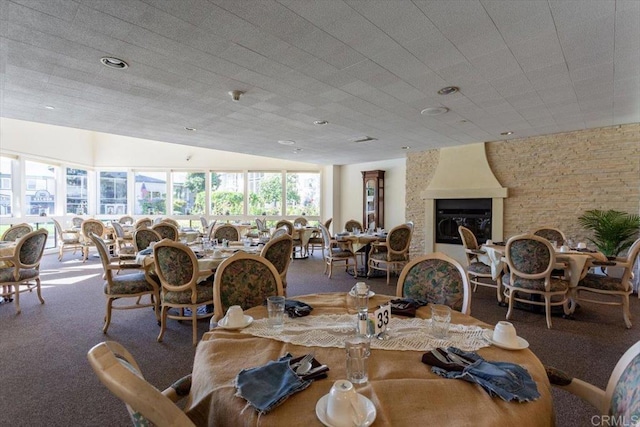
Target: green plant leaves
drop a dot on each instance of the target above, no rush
(613, 231)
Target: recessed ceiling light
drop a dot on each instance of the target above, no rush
(448, 90)
(506, 133)
(406, 147)
(112, 62)
(286, 142)
(320, 122)
(49, 107)
(434, 111)
(191, 129)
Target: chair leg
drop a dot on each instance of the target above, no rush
(194, 324)
(38, 290)
(60, 252)
(625, 310)
(16, 298)
(499, 290)
(509, 296)
(330, 268)
(547, 310)
(163, 323)
(107, 317)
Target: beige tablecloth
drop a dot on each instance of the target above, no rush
(6, 250)
(403, 389)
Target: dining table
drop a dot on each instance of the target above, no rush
(303, 234)
(361, 242)
(7, 249)
(403, 389)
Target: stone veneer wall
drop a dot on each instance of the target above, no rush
(551, 179)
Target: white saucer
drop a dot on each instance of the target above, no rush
(522, 343)
(222, 324)
(366, 406)
(353, 294)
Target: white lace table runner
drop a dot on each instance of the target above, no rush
(330, 330)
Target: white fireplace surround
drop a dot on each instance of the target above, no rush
(463, 172)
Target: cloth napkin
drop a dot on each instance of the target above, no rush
(406, 306)
(296, 308)
(147, 251)
(267, 386)
(503, 379)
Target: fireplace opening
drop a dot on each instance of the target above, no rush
(475, 214)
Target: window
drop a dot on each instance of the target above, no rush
(113, 193)
(150, 193)
(6, 190)
(227, 193)
(41, 188)
(265, 193)
(77, 191)
(188, 193)
(303, 193)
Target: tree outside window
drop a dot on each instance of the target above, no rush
(303, 193)
(227, 193)
(265, 193)
(150, 193)
(188, 193)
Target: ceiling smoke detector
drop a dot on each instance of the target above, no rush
(111, 62)
(235, 94)
(434, 111)
(320, 122)
(286, 142)
(506, 133)
(361, 139)
(448, 90)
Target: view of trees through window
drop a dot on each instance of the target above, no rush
(265, 193)
(77, 191)
(188, 193)
(150, 193)
(303, 193)
(227, 193)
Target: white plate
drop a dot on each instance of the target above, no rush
(522, 343)
(366, 406)
(353, 293)
(222, 324)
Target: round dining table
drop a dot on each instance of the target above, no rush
(403, 389)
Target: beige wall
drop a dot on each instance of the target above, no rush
(551, 179)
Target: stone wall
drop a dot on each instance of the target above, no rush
(551, 179)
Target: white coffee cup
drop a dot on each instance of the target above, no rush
(564, 248)
(582, 245)
(505, 333)
(341, 402)
(489, 242)
(235, 316)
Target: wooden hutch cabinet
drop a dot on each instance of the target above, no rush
(373, 191)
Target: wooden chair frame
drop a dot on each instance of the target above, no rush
(16, 231)
(327, 251)
(274, 242)
(389, 264)
(66, 246)
(472, 251)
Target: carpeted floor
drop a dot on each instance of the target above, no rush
(46, 379)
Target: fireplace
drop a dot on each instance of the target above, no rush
(475, 214)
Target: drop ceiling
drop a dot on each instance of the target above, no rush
(366, 67)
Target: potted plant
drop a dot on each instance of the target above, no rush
(613, 231)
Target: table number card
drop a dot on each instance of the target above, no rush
(381, 318)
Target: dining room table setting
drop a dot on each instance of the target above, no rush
(360, 358)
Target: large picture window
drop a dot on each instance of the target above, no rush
(303, 193)
(150, 193)
(188, 193)
(113, 193)
(227, 193)
(6, 187)
(41, 188)
(77, 191)
(265, 193)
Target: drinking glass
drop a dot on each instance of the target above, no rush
(275, 307)
(357, 351)
(440, 320)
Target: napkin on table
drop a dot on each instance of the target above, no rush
(406, 306)
(296, 308)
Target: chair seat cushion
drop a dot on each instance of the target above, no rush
(385, 256)
(124, 284)
(316, 240)
(204, 290)
(479, 268)
(603, 283)
(341, 253)
(557, 285)
(70, 240)
(6, 274)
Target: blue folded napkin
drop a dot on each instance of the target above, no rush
(147, 251)
(503, 379)
(267, 386)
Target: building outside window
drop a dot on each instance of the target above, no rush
(6, 189)
(188, 193)
(150, 193)
(303, 193)
(113, 193)
(227, 193)
(41, 188)
(77, 191)
(265, 193)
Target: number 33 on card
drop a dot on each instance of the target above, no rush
(382, 317)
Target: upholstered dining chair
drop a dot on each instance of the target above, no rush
(120, 286)
(263, 230)
(597, 284)
(126, 220)
(96, 227)
(280, 232)
(620, 401)
(143, 237)
(393, 253)
(227, 231)
(552, 234)
(300, 222)
(172, 222)
(278, 251)
(143, 222)
(25, 267)
(531, 260)
(287, 224)
(437, 279)
(353, 225)
(117, 369)
(124, 242)
(316, 238)
(245, 280)
(478, 272)
(336, 252)
(205, 226)
(67, 239)
(16, 231)
(166, 230)
(183, 286)
(77, 221)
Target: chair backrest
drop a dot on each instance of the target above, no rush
(300, 221)
(166, 230)
(29, 249)
(438, 279)
(278, 252)
(118, 371)
(280, 232)
(621, 397)
(227, 231)
(92, 226)
(177, 267)
(632, 258)
(143, 222)
(245, 280)
(469, 242)
(261, 225)
(212, 228)
(171, 221)
(104, 254)
(126, 220)
(142, 237)
(118, 230)
(77, 221)
(551, 234)
(157, 220)
(399, 239)
(328, 222)
(326, 238)
(531, 260)
(352, 225)
(58, 227)
(204, 223)
(16, 231)
(287, 224)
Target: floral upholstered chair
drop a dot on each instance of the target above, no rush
(597, 284)
(352, 225)
(117, 369)
(245, 280)
(393, 253)
(166, 230)
(316, 238)
(171, 221)
(126, 220)
(300, 222)
(287, 224)
(478, 272)
(183, 286)
(531, 260)
(552, 234)
(336, 252)
(437, 279)
(124, 243)
(228, 232)
(143, 237)
(117, 287)
(278, 251)
(143, 223)
(280, 232)
(24, 267)
(67, 239)
(93, 226)
(15, 232)
(620, 400)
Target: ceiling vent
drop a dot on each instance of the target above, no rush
(362, 139)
